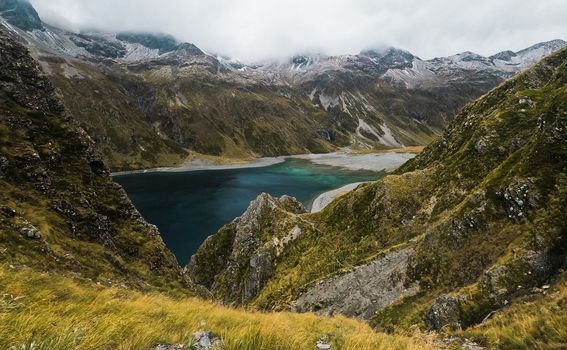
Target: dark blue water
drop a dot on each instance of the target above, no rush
(187, 207)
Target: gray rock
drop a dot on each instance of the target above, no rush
(31, 232)
(292, 205)
(444, 313)
(323, 345)
(169, 347)
(465, 344)
(481, 144)
(205, 340)
(246, 249)
(362, 292)
(261, 267)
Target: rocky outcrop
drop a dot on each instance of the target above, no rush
(445, 312)
(362, 292)
(236, 262)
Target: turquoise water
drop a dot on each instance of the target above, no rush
(187, 207)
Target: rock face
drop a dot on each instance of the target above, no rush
(362, 292)
(206, 340)
(59, 203)
(236, 262)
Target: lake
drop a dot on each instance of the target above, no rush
(187, 207)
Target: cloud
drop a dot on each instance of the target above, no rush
(260, 29)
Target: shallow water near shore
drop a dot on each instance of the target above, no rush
(187, 207)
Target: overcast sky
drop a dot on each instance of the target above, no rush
(260, 29)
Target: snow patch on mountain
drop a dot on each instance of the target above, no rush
(420, 71)
(328, 101)
(138, 52)
(388, 138)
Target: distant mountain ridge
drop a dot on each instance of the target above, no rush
(149, 100)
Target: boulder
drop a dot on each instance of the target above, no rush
(31, 232)
(444, 313)
(205, 340)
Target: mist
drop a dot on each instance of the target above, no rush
(254, 30)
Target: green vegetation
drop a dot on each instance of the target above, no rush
(533, 322)
(483, 208)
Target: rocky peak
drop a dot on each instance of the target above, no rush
(304, 61)
(21, 14)
(98, 45)
(189, 49)
(504, 55)
(549, 46)
(161, 42)
(391, 58)
(236, 262)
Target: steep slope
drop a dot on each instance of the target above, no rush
(148, 100)
(474, 222)
(59, 209)
(79, 267)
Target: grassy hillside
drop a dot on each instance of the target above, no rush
(482, 211)
(54, 312)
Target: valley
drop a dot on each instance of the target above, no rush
(157, 196)
(187, 207)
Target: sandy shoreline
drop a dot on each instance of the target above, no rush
(371, 162)
(326, 198)
(198, 165)
(376, 162)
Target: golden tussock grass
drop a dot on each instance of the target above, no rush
(46, 311)
(537, 321)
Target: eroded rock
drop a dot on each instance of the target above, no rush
(362, 292)
(237, 262)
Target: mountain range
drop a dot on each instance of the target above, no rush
(148, 100)
(462, 247)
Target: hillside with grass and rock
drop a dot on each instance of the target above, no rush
(462, 247)
(467, 230)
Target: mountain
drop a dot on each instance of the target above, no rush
(21, 14)
(148, 100)
(467, 239)
(473, 226)
(81, 269)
